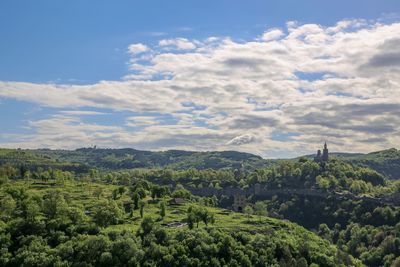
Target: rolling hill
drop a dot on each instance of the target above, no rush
(128, 158)
(386, 162)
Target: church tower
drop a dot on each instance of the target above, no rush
(322, 157)
(325, 154)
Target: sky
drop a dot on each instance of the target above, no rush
(273, 78)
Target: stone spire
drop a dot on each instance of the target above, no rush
(325, 153)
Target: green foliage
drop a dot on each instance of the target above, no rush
(197, 214)
(181, 193)
(46, 226)
(386, 162)
(135, 199)
(107, 213)
(260, 209)
(248, 210)
(375, 246)
(43, 207)
(162, 209)
(98, 192)
(371, 176)
(85, 159)
(142, 204)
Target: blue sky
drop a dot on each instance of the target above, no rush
(52, 48)
(85, 41)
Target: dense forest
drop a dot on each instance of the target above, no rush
(88, 223)
(115, 159)
(386, 162)
(59, 211)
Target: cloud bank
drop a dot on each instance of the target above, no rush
(280, 94)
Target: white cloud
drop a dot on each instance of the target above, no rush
(314, 83)
(141, 121)
(240, 140)
(134, 49)
(178, 43)
(272, 34)
(81, 112)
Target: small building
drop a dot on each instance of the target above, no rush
(239, 202)
(177, 201)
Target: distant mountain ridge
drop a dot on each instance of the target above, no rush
(128, 158)
(386, 162)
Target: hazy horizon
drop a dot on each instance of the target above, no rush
(200, 151)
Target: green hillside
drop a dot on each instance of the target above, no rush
(80, 160)
(114, 159)
(386, 162)
(353, 208)
(33, 159)
(87, 224)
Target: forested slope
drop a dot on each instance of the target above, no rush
(89, 224)
(127, 158)
(386, 162)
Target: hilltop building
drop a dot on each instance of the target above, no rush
(324, 156)
(239, 202)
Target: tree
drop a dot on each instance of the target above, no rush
(196, 214)
(30, 209)
(325, 232)
(97, 192)
(260, 209)
(121, 190)
(154, 191)
(115, 194)
(162, 209)
(37, 253)
(7, 207)
(190, 217)
(161, 236)
(54, 206)
(93, 174)
(141, 207)
(146, 227)
(135, 199)
(141, 191)
(106, 214)
(164, 191)
(322, 182)
(206, 216)
(248, 210)
(181, 193)
(214, 201)
(209, 218)
(88, 182)
(8, 171)
(371, 176)
(76, 215)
